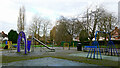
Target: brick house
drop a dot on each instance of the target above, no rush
(116, 33)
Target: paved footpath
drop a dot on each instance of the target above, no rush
(48, 61)
(84, 54)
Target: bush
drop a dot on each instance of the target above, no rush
(83, 36)
(13, 36)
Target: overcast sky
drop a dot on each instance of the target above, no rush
(51, 9)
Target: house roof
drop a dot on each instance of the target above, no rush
(2, 34)
(116, 30)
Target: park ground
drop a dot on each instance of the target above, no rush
(9, 56)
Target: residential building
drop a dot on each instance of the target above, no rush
(116, 33)
(3, 36)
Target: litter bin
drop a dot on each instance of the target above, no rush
(79, 47)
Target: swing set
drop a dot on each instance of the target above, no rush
(109, 49)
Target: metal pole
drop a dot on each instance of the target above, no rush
(88, 53)
(94, 54)
(69, 46)
(91, 52)
(97, 52)
(32, 42)
(115, 48)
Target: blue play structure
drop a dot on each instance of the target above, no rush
(28, 47)
(27, 44)
(90, 46)
(6, 42)
(86, 47)
(109, 49)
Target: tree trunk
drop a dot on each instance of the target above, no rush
(105, 40)
(90, 42)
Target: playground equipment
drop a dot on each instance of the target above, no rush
(95, 43)
(66, 45)
(28, 43)
(20, 36)
(9, 43)
(52, 50)
(85, 47)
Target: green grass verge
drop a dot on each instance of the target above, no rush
(3, 45)
(14, 44)
(8, 59)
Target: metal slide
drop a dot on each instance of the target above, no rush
(53, 50)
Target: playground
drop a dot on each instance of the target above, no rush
(58, 56)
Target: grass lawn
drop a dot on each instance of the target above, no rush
(14, 44)
(3, 45)
(8, 59)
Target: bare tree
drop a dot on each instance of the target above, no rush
(107, 22)
(35, 26)
(40, 26)
(74, 26)
(46, 26)
(21, 19)
(98, 19)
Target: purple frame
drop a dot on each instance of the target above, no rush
(19, 40)
(28, 45)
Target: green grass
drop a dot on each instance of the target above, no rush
(14, 44)
(8, 59)
(117, 46)
(3, 45)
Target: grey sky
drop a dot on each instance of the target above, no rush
(51, 9)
